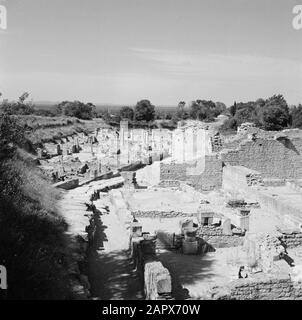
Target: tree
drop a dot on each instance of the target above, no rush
(181, 105)
(220, 107)
(144, 110)
(127, 113)
(233, 109)
(274, 118)
(19, 107)
(12, 134)
(76, 109)
(23, 97)
(203, 110)
(274, 115)
(296, 116)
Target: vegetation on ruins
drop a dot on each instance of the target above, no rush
(33, 246)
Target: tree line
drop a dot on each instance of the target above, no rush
(272, 113)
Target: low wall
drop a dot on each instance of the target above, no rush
(67, 185)
(157, 279)
(291, 238)
(169, 183)
(278, 158)
(263, 288)
(234, 180)
(160, 214)
(214, 236)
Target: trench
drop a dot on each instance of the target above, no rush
(110, 270)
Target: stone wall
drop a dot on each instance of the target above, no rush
(261, 288)
(203, 174)
(156, 278)
(291, 238)
(214, 236)
(235, 181)
(278, 158)
(67, 185)
(157, 281)
(169, 183)
(160, 214)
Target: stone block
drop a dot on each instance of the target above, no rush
(184, 224)
(226, 227)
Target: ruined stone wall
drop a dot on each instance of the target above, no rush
(157, 281)
(234, 180)
(156, 278)
(67, 185)
(240, 177)
(209, 178)
(264, 288)
(291, 239)
(169, 183)
(214, 236)
(173, 171)
(272, 158)
(160, 214)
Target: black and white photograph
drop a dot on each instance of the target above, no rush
(150, 150)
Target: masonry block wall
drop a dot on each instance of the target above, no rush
(160, 214)
(272, 158)
(291, 238)
(214, 236)
(263, 288)
(209, 178)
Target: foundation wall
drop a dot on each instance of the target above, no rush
(272, 158)
(208, 178)
(214, 236)
(262, 289)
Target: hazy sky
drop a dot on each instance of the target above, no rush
(121, 51)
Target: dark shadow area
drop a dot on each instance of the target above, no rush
(184, 270)
(112, 276)
(288, 144)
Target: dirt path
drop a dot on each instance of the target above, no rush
(111, 271)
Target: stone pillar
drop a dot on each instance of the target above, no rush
(59, 150)
(190, 243)
(185, 224)
(244, 219)
(226, 227)
(136, 229)
(39, 151)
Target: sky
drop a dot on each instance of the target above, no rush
(122, 51)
